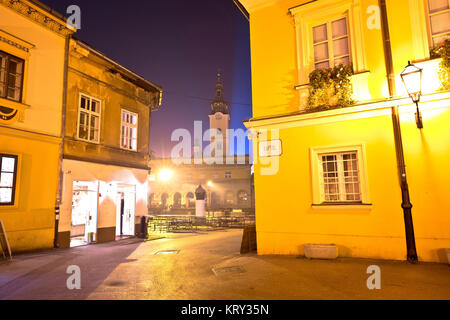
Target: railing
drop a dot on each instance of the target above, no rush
(179, 223)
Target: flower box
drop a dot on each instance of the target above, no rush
(321, 251)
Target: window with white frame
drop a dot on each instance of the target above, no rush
(129, 131)
(89, 116)
(439, 15)
(331, 44)
(8, 173)
(340, 177)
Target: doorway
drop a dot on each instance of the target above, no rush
(126, 207)
(83, 229)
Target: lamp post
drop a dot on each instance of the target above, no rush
(406, 202)
(412, 79)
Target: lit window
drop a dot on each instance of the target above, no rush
(439, 13)
(331, 44)
(129, 131)
(89, 119)
(11, 77)
(340, 177)
(229, 198)
(8, 173)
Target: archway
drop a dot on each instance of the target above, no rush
(164, 199)
(190, 200)
(177, 200)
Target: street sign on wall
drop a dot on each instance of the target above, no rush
(271, 148)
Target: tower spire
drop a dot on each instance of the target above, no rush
(219, 104)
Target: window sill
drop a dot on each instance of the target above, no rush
(9, 206)
(88, 141)
(12, 104)
(342, 206)
(130, 150)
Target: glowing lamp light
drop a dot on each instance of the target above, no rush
(210, 184)
(165, 175)
(412, 79)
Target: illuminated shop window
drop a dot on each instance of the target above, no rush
(340, 177)
(331, 44)
(8, 174)
(439, 14)
(11, 77)
(89, 116)
(129, 131)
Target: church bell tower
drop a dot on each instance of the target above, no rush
(219, 119)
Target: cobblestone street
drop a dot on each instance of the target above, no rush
(209, 266)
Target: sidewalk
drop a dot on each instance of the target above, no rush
(207, 266)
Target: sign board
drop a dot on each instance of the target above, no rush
(271, 148)
(4, 244)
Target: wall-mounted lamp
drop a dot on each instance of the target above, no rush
(412, 79)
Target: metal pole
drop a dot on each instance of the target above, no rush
(406, 202)
(418, 117)
(60, 181)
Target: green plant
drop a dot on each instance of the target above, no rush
(331, 88)
(443, 51)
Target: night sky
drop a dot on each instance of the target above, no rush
(178, 44)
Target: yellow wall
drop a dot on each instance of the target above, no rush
(30, 223)
(44, 66)
(34, 136)
(284, 214)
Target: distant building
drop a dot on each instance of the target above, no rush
(229, 185)
(106, 148)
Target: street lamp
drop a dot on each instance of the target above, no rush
(165, 175)
(412, 79)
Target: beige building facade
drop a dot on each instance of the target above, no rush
(106, 148)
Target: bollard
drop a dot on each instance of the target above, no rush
(249, 240)
(143, 232)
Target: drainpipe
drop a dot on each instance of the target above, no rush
(406, 202)
(61, 150)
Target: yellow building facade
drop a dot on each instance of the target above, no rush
(32, 60)
(336, 174)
